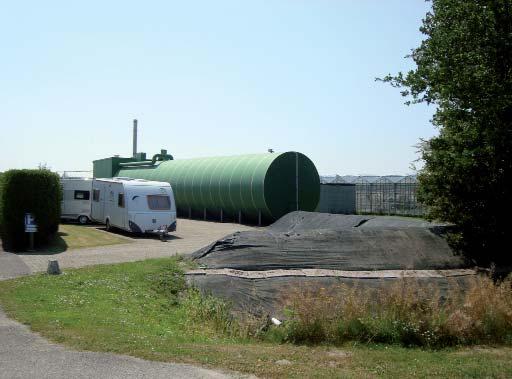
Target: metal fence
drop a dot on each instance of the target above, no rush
(390, 195)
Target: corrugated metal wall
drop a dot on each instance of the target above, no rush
(337, 198)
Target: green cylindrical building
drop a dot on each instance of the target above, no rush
(267, 185)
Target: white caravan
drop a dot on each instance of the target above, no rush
(76, 199)
(134, 205)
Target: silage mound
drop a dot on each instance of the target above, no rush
(267, 296)
(352, 245)
(300, 221)
(309, 240)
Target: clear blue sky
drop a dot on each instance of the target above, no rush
(209, 78)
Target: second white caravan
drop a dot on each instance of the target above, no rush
(134, 205)
(76, 199)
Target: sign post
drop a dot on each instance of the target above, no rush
(30, 228)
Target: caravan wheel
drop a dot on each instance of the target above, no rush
(83, 219)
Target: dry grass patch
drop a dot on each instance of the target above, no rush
(405, 312)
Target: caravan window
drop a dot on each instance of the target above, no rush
(96, 194)
(82, 195)
(159, 202)
(120, 200)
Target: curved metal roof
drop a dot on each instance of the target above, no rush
(368, 179)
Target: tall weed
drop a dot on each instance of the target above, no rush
(407, 312)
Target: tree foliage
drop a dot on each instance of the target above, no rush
(463, 67)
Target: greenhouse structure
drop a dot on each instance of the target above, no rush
(389, 195)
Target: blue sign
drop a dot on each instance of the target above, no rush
(30, 223)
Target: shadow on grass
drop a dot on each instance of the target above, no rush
(57, 245)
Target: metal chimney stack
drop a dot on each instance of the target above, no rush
(134, 138)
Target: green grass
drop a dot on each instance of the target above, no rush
(132, 308)
(78, 236)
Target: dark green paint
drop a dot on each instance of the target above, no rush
(265, 183)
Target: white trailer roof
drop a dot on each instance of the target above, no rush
(134, 182)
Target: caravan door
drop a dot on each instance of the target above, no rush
(121, 208)
(98, 201)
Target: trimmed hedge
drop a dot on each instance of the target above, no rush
(1, 187)
(29, 191)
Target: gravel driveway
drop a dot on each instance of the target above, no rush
(190, 236)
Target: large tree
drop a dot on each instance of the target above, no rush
(464, 68)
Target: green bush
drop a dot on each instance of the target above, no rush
(29, 191)
(1, 188)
